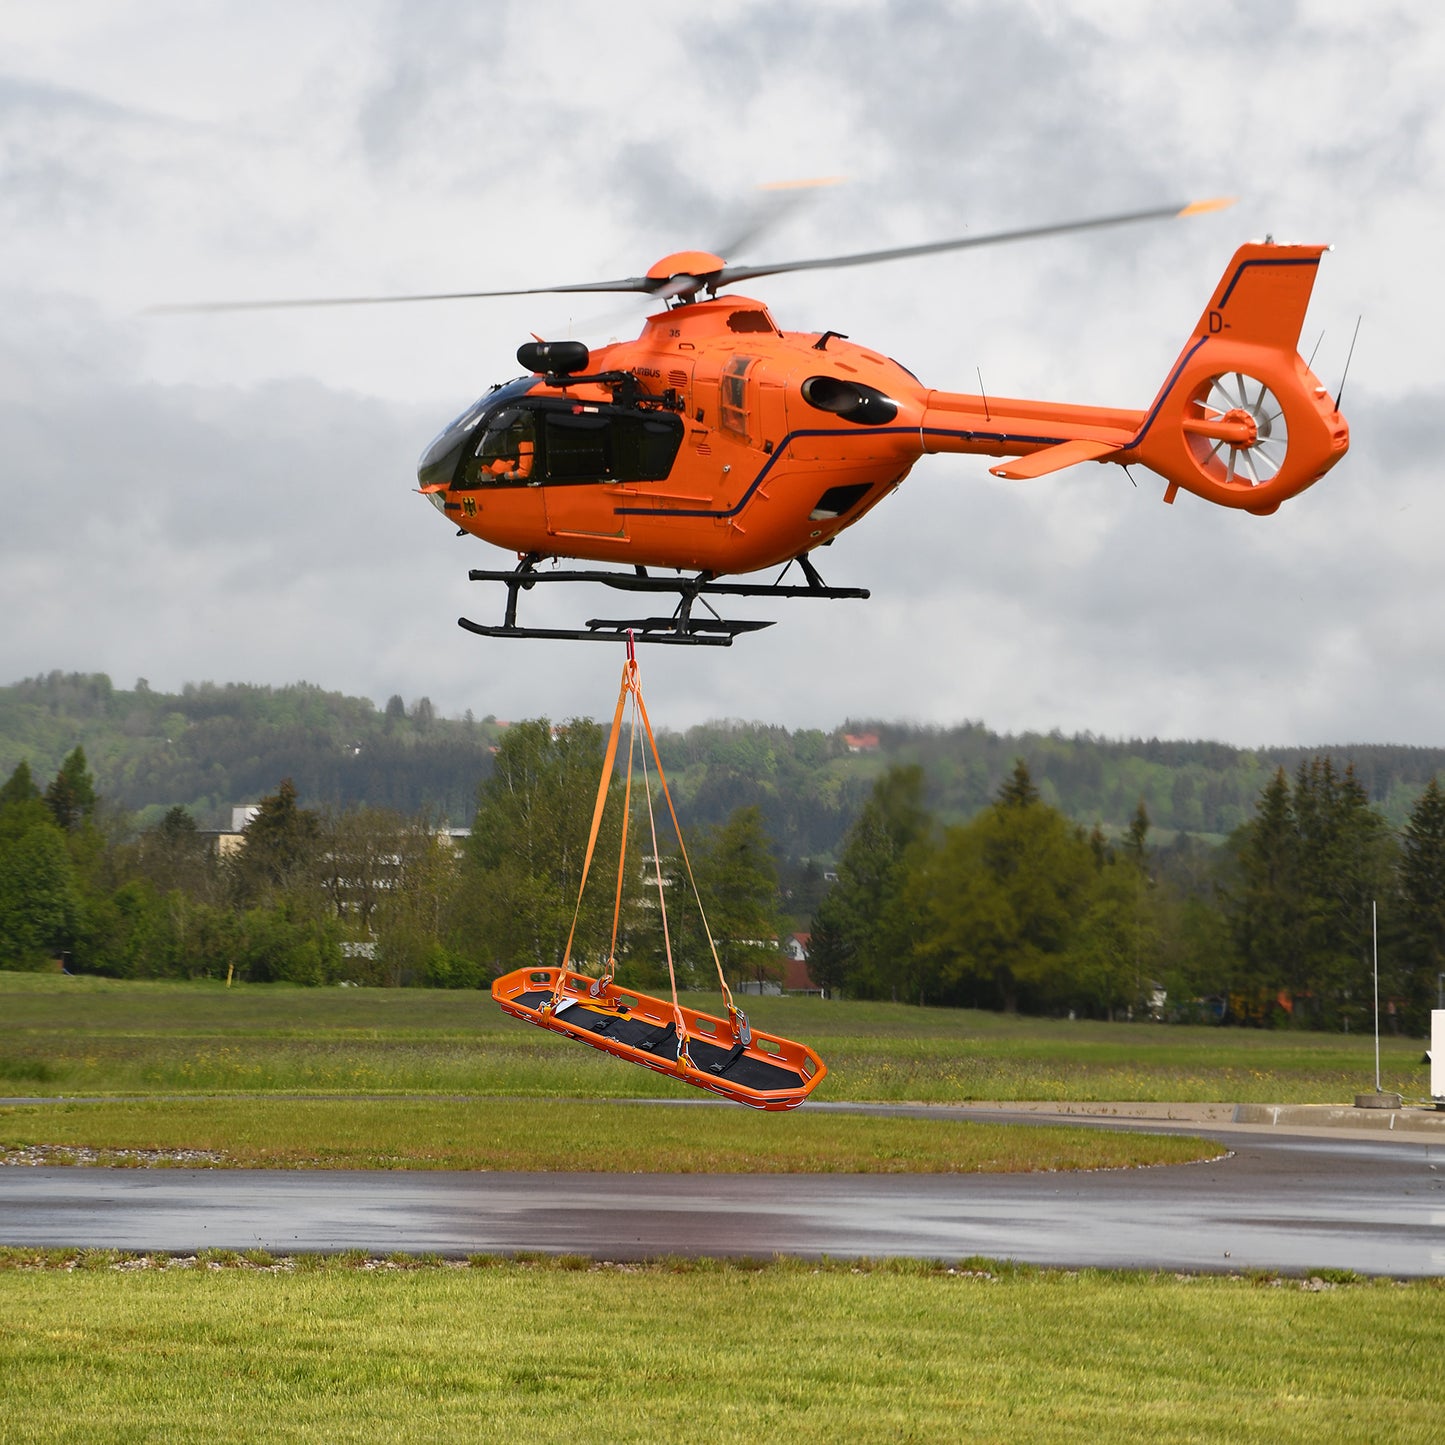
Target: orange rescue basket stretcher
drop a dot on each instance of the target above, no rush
(767, 1072)
(723, 1055)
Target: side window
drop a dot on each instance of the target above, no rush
(601, 446)
(646, 446)
(733, 396)
(578, 446)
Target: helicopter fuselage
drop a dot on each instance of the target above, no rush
(720, 444)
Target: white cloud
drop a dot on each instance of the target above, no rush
(227, 497)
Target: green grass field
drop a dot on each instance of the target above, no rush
(96, 1036)
(538, 1134)
(95, 1346)
(560, 1351)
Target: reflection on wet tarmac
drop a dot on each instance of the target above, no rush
(1277, 1203)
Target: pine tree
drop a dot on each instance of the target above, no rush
(1310, 864)
(738, 880)
(1137, 838)
(1267, 909)
(71, 794)
(1017, 790)
(19, 787)
(281, 848)
(1421, 900)
(830, 951)
(1345, 857)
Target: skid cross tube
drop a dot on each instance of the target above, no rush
(682, 628)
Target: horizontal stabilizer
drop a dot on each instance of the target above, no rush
(1055, 458)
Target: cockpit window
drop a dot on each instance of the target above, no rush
(506, 453)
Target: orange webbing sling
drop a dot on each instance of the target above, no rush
(724, 1056)
(631, 689)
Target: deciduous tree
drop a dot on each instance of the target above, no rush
(39, 900)
(737, 879)
(524, 858)
(1002, 900)
(863, 935)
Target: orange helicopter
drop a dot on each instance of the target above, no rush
(717, 444)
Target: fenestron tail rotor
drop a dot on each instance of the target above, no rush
(1240, 437)
(684, 275)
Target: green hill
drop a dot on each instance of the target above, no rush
(212, 746)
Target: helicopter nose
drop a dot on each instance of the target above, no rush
(438, 465)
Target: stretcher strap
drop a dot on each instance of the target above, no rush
(605, 982)
(631, 688)
(602, 790)
(682, 1054)
(687, 862)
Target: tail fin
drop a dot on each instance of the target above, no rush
(1242, 421)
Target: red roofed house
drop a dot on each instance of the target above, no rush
(796, 978)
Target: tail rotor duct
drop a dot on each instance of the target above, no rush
(1237, 432)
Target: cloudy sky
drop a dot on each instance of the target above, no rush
(231, 497)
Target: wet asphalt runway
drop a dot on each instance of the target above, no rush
(1279, 1202)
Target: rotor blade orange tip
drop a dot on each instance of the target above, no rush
(802, 185)
(1216, 203)
(540, 340)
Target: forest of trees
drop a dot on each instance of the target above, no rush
(1021, 909)
(1017, 909)
(372, 896)
(1011, 903)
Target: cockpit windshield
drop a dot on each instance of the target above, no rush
(511, 439)
(441, 462)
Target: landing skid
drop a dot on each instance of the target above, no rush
(680, 629)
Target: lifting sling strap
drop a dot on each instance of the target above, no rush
(630, 690)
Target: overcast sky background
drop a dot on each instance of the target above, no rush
(231, 497)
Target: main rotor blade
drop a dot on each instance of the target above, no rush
(630, 283)
(730, 274)
(775, 202)
(667, 288)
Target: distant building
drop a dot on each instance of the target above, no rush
(230, 840)
(796, 978)
(861, 742)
